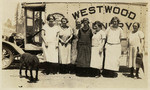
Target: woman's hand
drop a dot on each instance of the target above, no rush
(61, 41)
(66, 42)
(46, 45)
(101, 50)
(100, 53)
(56, 46)
(141, 51)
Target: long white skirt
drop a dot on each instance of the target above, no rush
(50, 53)
(112, 56)
(96, 58)
(64, 53)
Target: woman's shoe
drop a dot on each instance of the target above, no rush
(97, 76)
(138, 77)
(131, 72)
(115, 75)
(131, 75)
(137, 74)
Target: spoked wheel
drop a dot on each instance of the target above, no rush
(7, 57)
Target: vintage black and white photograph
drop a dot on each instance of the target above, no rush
(74, 44)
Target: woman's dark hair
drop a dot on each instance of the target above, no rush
(50, 15)
(98, 23)
(65, 19)
(137, 24)
(85, 19)
(114, 18)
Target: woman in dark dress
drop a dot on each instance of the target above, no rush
(84, 49)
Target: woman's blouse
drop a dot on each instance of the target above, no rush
(114, 35)
(134, 38)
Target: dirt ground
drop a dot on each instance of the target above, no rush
(10, 79)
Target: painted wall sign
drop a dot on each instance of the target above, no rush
(128, 13)
(108, 9)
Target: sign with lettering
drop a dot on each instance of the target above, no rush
(128, 13)
(108, 9)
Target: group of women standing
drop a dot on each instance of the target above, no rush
(90, 49)
(57, 45)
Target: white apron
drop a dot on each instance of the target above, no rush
(96, 58)
(51, 52)
(112, 56)
(64, 53)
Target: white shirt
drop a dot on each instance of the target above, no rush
(97, 38)
(65, 33)
(114, 36)
(50, 33)
(134, 38)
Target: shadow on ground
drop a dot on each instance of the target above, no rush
(43, 65)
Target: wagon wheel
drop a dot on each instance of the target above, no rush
(7, 57)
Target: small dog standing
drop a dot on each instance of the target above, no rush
(30, 62)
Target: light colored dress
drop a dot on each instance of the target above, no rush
(65, 50)
(96, 57)
(134, 42)
(50, 34)
(113, 48)
(74, 47)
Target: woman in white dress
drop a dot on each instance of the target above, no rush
(114, 35)
(65, 46)
(98, 41)
(50, 35)
(136, 40)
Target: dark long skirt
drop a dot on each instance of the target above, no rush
(84, 56)
(83, 60)
(87, 72)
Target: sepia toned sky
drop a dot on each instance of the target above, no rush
(8, 10)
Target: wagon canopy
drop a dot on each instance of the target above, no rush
(34, 6)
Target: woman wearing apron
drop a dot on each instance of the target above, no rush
(98, 41)
(136, 40)
(84, 49)
(50, 35)
(65, 46)
(114, 34)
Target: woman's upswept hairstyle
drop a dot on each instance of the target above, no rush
(65, 19)
(98, 23)
(50, 15)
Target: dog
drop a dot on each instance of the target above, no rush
(30, 62)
